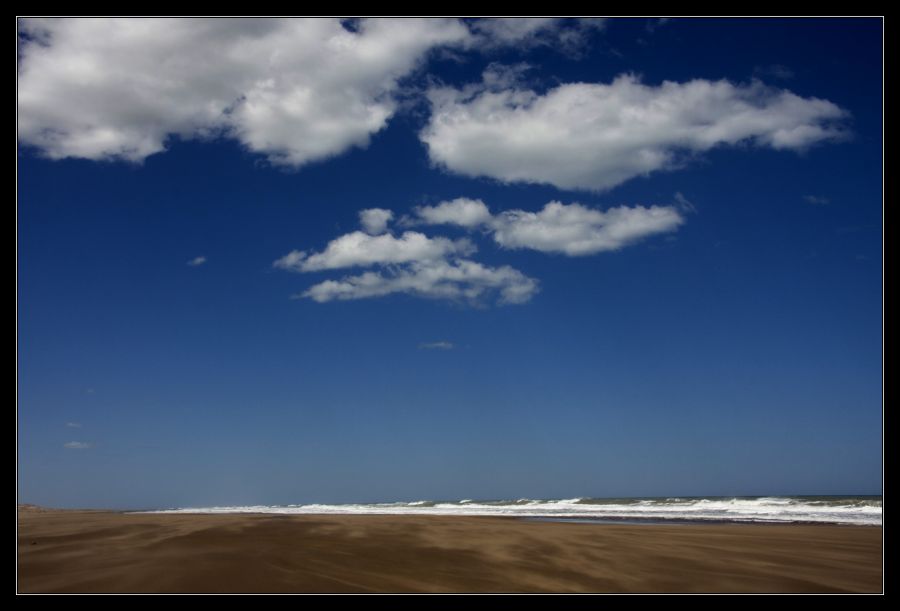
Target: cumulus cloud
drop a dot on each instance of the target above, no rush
(572, 229)
(575, 230)
(460, 211)
(73, 425)
(596, 136)
(295, 90)
(457, 280)
(442, 345)
(197, 261)
(375, 220)
(77, 445)
(359, 249)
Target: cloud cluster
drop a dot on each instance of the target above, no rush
(438, 267)
(294, 90)
(301, 90)
(596, 136)
(413, 264)
(572, 229)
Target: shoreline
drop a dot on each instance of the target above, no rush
(610, 520)
(605, 521)
(862, 510)
(102, 551)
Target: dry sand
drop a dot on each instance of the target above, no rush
(93, 551)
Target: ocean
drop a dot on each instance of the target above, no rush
(859, 510)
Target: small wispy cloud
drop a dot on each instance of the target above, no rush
(655, 24)
(683, 203)
(77, 445)
(816, 200)
(442, 345)
(73, 425)
(775, 71)
(197, 261)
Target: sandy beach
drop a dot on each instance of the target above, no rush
(96, 551)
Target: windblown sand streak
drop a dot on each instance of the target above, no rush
(79, 551)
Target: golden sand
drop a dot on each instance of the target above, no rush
(94, 551)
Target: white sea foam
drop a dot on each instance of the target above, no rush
(850, 510)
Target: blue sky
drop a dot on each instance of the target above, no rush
(606, 258)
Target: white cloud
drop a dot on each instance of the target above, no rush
(460, 211)
(295, 90)
(363, 250)
(441, 345)
(458, 280)
(77, 445)
(596, 136)
(197, 261)
(73, 425)
(375, 220)
(573, 229)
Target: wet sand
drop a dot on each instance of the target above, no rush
(95, 551)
